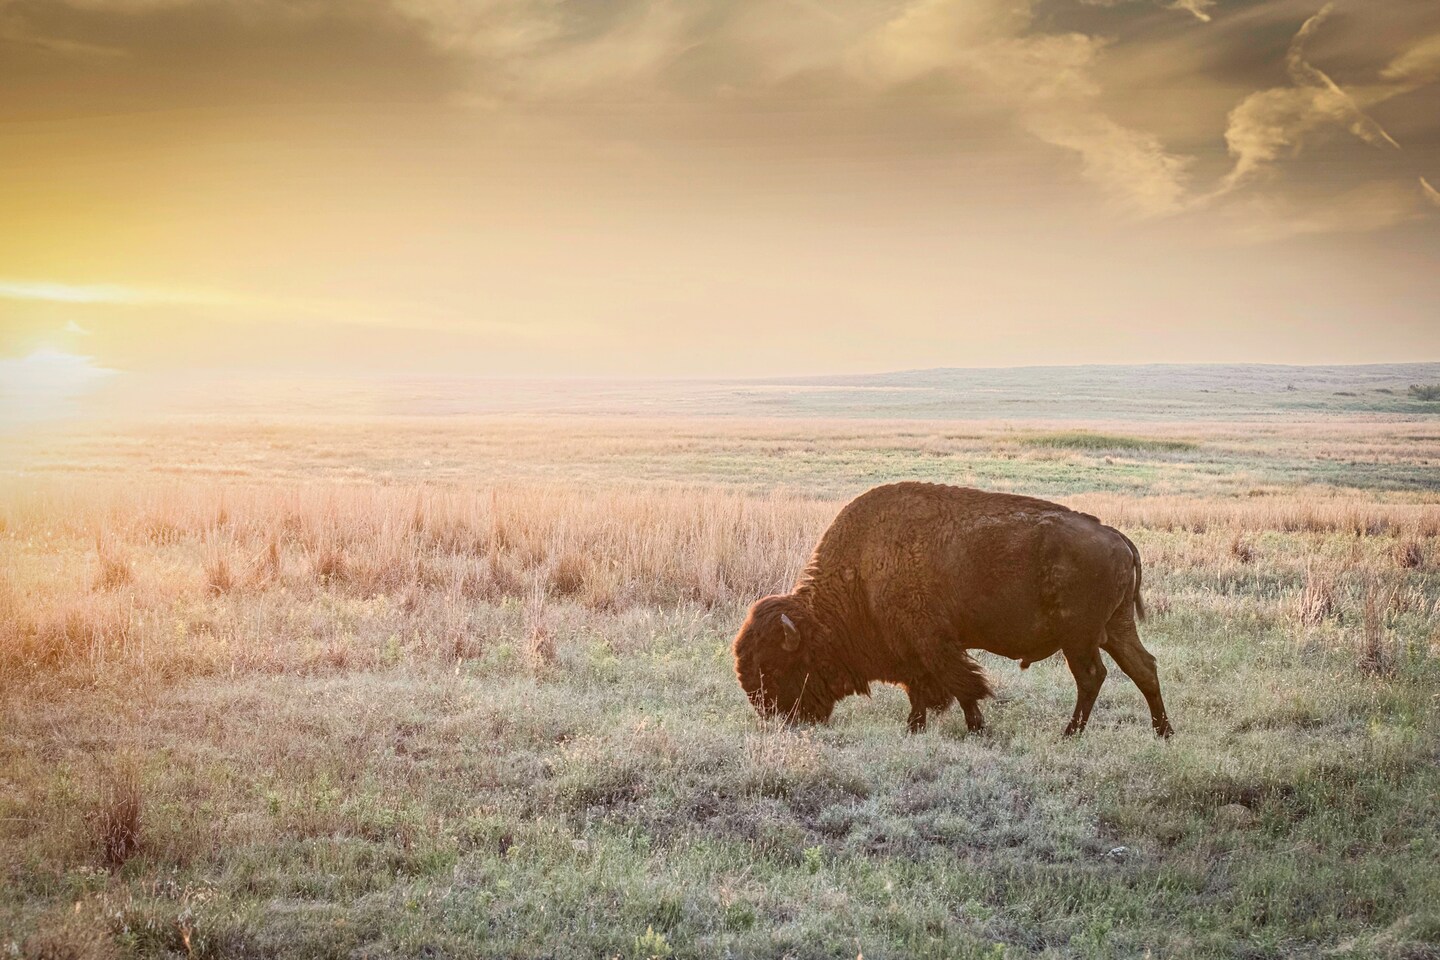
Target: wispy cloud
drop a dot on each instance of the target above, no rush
(297, 310)
(1196, 8)
(1048, 80)
(1415, 67)
(1272, 123)
(1429, 192)
(53, 292)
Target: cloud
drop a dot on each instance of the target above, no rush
(71, 293)
(102, 294)
(1047, 80)
(1272, 123)
(77, 58)
(1079, 79)
(1429, 192)
(197, 305)
(1417, 66)
(1196, 8)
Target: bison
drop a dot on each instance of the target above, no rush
(910, 577)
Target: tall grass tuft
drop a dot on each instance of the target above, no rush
(539, 644)
(567, 576)
(113, 565)
(268, 564)
(1377, 655)
(117, 818)
(328, 563)
(1409, 555)
(1317, 599)
(219, 574)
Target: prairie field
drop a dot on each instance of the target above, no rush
(457, 682)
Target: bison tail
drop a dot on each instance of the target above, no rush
(969, 682)
(1139, 576)
(960, 676)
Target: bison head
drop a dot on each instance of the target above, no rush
(775, 661)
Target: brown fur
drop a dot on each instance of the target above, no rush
(912, 576)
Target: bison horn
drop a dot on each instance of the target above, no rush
(792, 635)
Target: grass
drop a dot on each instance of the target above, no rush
(830, 459)
(329, 717)
(1085, 440)
(117, 820)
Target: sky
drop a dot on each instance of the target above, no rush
(682, 188)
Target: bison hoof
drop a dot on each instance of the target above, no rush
(1163, 730)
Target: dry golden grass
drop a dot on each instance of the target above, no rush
(422, 554)
(1300, 511)
(206, 576)
(113, 564)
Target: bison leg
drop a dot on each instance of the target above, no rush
(1089, 671)
(916, 723)
(1123, 644)
(974, 720)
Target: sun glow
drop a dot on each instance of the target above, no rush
(46, 385)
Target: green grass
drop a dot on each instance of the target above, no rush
(1084, 440)
(623, 801)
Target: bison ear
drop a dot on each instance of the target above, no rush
(792, 634)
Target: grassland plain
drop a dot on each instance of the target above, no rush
(461, 686)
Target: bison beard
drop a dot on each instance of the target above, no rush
(912, 576)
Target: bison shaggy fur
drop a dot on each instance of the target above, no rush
(911, 577)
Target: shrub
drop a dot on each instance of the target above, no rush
(652, 946)
(1429, 391)
(1241, 549)
(1409, 555)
